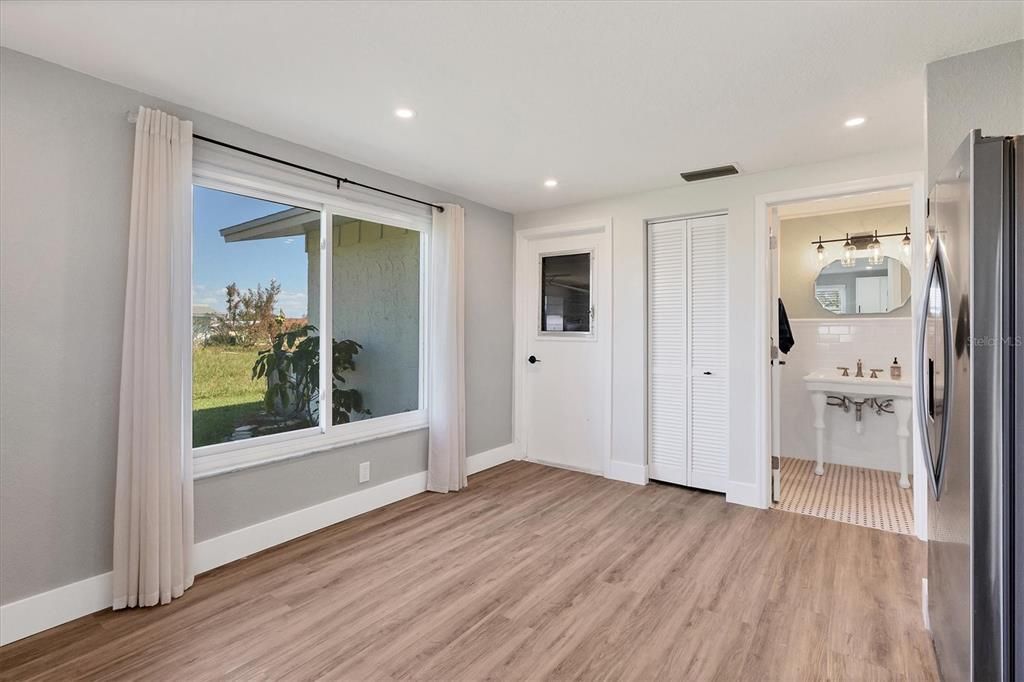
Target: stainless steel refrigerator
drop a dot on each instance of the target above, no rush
(972, 389)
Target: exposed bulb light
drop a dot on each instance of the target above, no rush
(855, 121)
(905, 243)
(849, 257)
(875, 251)
(551, 182)
(821, 251)
(402, 112)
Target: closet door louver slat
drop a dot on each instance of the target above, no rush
(666, 310)
(709, 354)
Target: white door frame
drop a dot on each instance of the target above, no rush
(524, 320)
(762, 318)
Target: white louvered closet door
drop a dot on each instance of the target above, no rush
(709, 353)
(666, 355)
(687, 317)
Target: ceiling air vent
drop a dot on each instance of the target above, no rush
(709, 173)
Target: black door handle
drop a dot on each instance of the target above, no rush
(532, 360)
(707, 373)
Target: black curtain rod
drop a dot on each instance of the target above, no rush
(337, 179)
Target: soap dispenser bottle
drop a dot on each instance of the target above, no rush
(896, 372)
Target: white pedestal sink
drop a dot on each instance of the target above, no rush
(823, 384)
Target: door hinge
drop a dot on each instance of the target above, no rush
(773, 242)
(776, 463)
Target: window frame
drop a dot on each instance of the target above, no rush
(591, 334)
(218, 458)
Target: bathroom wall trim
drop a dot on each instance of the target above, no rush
(763, 204)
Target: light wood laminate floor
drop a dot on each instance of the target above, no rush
(532, 572)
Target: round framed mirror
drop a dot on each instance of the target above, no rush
(863, 288)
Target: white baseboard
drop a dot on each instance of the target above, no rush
(624, 471)
(48, 609)
(746, 494)
(238, 544)
(491, 458)
(45, 610)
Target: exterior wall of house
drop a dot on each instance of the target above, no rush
(376, 300)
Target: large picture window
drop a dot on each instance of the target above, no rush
(251, 273)
(276, 288)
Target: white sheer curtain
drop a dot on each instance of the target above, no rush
(446, 399)
(153, 526)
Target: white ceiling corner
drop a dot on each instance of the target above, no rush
(608, 97)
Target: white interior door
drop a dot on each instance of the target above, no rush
(667, 366)
(565, 322)
(872, 295)
(688, 352)
(777, 362)
(707, 279)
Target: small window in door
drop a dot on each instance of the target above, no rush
(565, 306)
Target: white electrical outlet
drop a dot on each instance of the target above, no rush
(364, 472)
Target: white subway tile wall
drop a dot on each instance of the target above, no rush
(822, 345)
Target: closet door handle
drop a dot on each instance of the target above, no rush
(707, 374)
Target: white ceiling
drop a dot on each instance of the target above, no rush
(608, 97)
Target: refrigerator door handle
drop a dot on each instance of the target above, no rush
(934, 447)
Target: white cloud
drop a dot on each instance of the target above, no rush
(293, 303)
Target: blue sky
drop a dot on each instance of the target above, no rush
(215, 263)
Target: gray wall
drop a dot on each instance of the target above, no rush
(65, 175)
(983, 89)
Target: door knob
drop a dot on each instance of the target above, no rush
(532, 360)
(707, 373)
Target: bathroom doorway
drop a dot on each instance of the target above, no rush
(842, 345)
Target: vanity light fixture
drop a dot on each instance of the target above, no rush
(875, 250)
(849, 258)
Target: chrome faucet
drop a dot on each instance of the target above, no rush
(860, 369)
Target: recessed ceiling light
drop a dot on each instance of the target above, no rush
(551, 182)
(855, 121)
(404, 113)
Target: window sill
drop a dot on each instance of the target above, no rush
(206, 465)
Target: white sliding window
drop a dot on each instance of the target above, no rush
(308, 323)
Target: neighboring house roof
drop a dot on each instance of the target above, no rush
(290, 222)
(203, 310)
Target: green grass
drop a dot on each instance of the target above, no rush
(223, 394)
